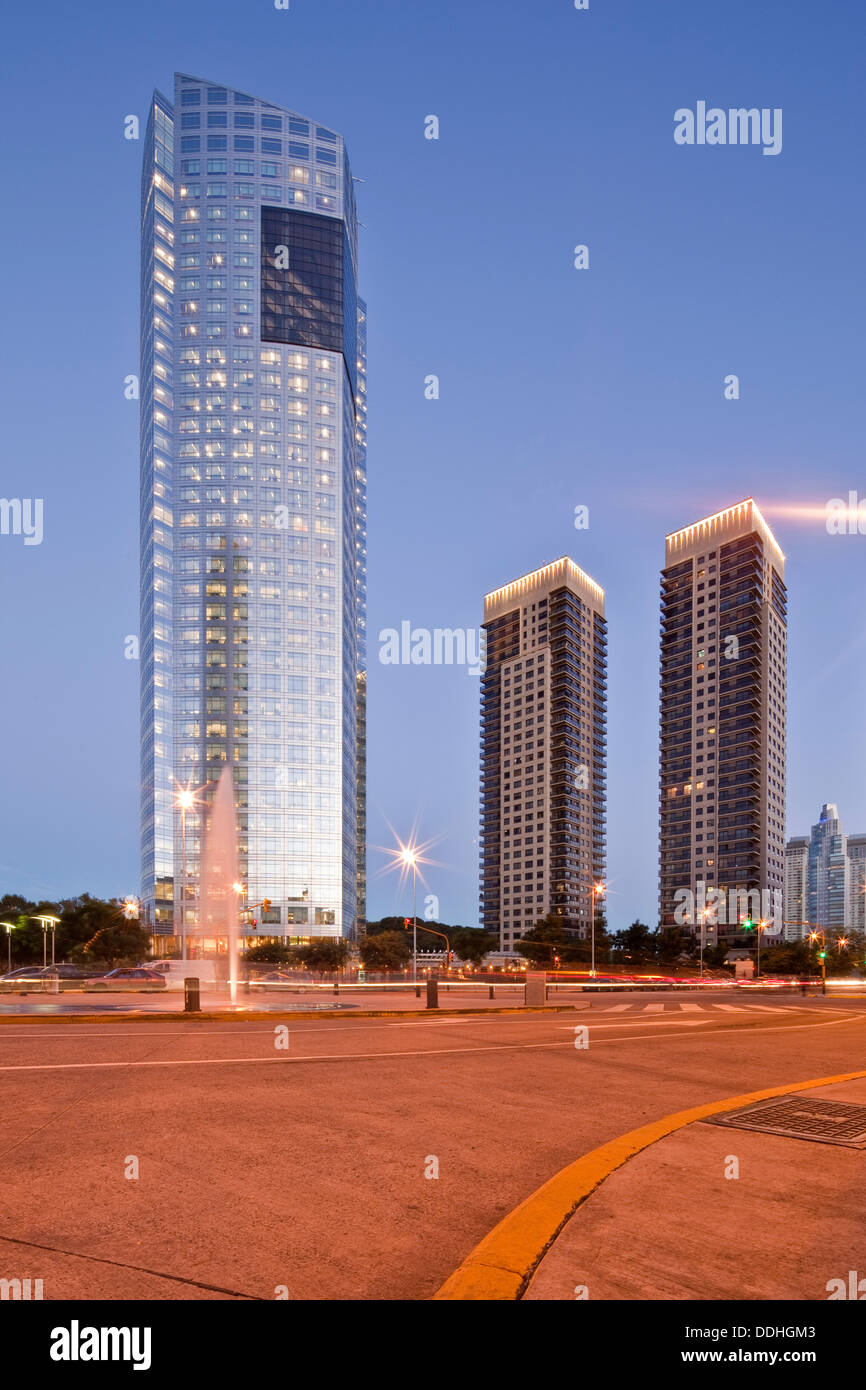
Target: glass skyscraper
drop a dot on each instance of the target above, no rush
(253, 508)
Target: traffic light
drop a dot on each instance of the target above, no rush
(822, 955)
(266, 904)
(253, 923)
(406, 923)
(748, 924)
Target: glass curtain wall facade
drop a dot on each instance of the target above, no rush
(253, 508)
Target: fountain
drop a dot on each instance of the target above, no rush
(218, 908)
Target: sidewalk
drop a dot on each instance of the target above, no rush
(670, 1225)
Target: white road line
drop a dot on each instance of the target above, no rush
(315, 1057)
(428, 1052)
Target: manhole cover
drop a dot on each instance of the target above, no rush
(799, 1117)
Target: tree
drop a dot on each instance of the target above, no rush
(325, 954)
(272, 953)
(637, 943)
(388, 924)
(121, 945)
(472, 943)
(81, 918)
(674, 942)
(386, 951)
(545, 941)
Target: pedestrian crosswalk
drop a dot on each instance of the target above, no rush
(675, 1006)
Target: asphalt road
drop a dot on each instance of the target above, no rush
(263, 1169)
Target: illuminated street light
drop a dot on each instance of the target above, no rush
(45, 922)
(409, 857)
(10, 927)
(597, 890)
(185, 800)
(705, 913)
(405, 857)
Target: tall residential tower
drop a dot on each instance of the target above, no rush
(723, 695)
(543, 751)
(253, 501)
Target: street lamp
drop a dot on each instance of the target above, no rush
(410, 858)
(705, 913)
(46, 922)
(185, 802)
(10, 927)
(760, 925)
(597, 890)
(822, 955)
(241, 890)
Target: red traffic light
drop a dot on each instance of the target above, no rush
(406, 923)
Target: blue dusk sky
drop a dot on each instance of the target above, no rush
(559, 388)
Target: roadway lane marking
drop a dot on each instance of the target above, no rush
(424, 1052)
(313, 1057)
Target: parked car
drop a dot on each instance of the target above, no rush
(45, 978)
(128, 977)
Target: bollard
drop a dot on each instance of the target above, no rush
(490, 993)
(535, 989)
(336, 988)
(417, 991)
(191, 996)
(432, 992)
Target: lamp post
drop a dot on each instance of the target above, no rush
(760, 926)
(9, 930)
(46, 922)
(410, 857)
(822, 954)
(704, 914)
(185, 800)
(597, 890)
(241, 891)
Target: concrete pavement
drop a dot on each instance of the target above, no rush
(717, 1213)
(367, 1159)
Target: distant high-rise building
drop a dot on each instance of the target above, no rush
(723, 697)
(796, 903)
(253, 507)
(543, 758)
(857, 884)
(829, 874)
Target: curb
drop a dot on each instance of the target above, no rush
(501, 1266)
(254, 1016)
